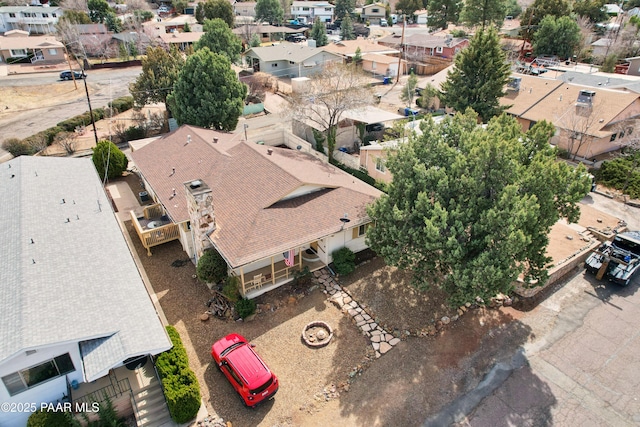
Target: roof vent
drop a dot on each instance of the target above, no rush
(269, 151)
(195, 184)
(215, 139)
(585, 97)
(514, 83)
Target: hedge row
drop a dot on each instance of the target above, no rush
(361, 175)
(180, 384)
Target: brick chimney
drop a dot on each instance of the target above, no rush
(200, 207)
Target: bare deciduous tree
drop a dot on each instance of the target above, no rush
(586, 36)
(80, 5)
(67, 140)
(578, 124)
(328, 94)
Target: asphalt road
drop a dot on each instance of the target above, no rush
(105, 85)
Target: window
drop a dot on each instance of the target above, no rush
(362, 230)
(18, 52)
(439, 49)
(305, 8)
(629, 131)
(12, 15)
(54, 15)
(36, 375)
(376, 10)
(380, 165)
(274, 65)
(45, 15)
(327, 9)
(621, 134)
(291, 62)
(53, 51)
(613, 137)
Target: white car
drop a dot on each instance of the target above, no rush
(164, 9)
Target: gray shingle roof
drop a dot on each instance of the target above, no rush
(288, 51)
(68, 274)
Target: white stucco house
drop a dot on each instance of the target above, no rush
(34, 19)
(73, 306)
(307, 11)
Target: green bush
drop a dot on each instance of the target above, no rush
(180, 384)
(361, 175)
(134, 132)
(344, 260)
(84, 119)
(105, 153)
(245, 307)
(49, 419)
(122, 104)
(212, 268)
(230, 289)
(17, 147)
(621, 175)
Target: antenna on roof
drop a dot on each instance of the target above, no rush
(188, 140)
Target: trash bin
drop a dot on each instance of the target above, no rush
(386, 81)
(144, 196)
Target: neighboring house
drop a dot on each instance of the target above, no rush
(590, 121)
(34, 19)
(601, 47)
(131, 42)
(181, 40)
(246, 8)
(422, 46)
(421, 17)
(633, 12)
(348, 48)
(348, 135)
(634, 66)
(307, 11)
(383, 65)
(613, 9)
(256, 203)
(96, 40)
(267, 33)
(17, 46)
(374, 13)
(74, 307)
(289, 59)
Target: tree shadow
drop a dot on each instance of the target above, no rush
(419, 377)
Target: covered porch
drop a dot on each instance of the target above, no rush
(255, 282)
(154, 227)
(122, 386)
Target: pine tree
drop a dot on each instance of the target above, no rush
(479, 77)
(319, 33)
(346, 29)
(469, 209)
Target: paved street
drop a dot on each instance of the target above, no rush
(581, 365)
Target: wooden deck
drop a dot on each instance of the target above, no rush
(154, 228)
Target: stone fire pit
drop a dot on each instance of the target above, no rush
(317, 334)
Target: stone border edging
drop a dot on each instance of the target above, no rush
(381, 340)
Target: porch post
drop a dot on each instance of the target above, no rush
(300, 256)
(273, 272)
(244, 292)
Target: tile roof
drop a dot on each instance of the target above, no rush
(68, 274)
(263, 204)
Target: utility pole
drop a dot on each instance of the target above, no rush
(404, 24)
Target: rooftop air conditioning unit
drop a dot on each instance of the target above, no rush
(514, 83)
(585, 98)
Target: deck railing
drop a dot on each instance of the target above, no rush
(155, 236)
(111, 391)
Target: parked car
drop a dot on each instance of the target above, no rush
(245, 370)
(66, 75)
(617, 261)
(384, 23)
(164, 9)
